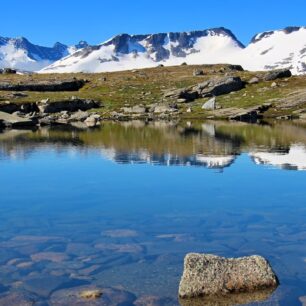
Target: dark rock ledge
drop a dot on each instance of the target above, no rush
(64, 85)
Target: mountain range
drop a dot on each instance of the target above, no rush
(284, 48)
(19, 53)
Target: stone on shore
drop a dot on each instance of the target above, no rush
(278, 74)
(210, 104)
(209, 275)
(72, 105)
(254, 80)
(219, 86)
(14, 121)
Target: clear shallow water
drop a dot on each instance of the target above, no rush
(120, 206)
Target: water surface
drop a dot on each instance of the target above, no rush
(121, 205)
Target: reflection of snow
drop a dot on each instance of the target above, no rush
(215, 161)
(294, 159)
(167, 159)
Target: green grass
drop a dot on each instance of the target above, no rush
(147, 86)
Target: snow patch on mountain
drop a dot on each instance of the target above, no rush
(19, 53)
(276, 49)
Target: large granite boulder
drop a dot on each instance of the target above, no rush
(219, 86)
(277, 74)
(209, 275)
(186, 94)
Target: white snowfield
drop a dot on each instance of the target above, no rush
(12, 57)
(294, 159)
(269, 50)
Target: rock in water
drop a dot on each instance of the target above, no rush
(210, 104)
(208, 275)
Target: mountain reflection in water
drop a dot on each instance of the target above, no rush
(214, 145)
(76, 212)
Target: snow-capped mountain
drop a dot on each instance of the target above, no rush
(277, 49)
(269, 50)
(19, 53)
(125, 51)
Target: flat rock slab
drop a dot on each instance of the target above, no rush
(209, 275)
(44, 285)
(18, 298)
(14, 121)
(64, 85)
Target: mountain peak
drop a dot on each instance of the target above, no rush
(288, 30)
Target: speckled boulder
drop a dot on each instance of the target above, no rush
(207, 275)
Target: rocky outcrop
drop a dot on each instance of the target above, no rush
(64, 85)
(210, 88)
(10, 108)
(210, 275)
(277, 74)
(183, 94)
(72, 105)
(219, 86)
(14, 121)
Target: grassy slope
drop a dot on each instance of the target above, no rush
(147, 86)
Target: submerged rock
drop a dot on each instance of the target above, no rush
(18, 298)
(151, 300)
(44, 285)
(49, 256)
(91, 295)
(208, 275)
(121, 233)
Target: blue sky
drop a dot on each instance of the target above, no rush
(69, 21)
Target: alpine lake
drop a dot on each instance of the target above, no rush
(119, 206)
